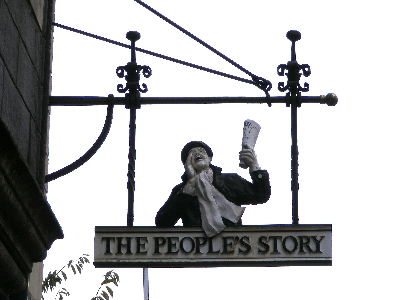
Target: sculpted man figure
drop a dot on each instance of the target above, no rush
(211, 199)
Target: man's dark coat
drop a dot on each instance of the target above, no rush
(235, 189)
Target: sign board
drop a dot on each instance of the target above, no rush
(268, 245)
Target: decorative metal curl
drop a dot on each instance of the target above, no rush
(306, 70)
(306, 87)
(131, 73)
(281, 69)
(296, 86)
(264, 85)
(120, 71)
(146, 71)
(282, 87)
(294, 73)
(121, 88)
(143, 88)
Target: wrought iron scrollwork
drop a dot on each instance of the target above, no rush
(281, 69)
(146, 71)
(306, 70)
(121, 71)
(294, 73)
(282, 87)
(131, 73)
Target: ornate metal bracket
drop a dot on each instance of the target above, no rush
(293, 76)
(96, 146)
(131, 72)
(293, 99)
(294, 71)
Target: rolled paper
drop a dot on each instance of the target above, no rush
(251, 129)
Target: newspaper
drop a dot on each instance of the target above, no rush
(251, 129)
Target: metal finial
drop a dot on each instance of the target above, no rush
(133, 36)
(330, 99)
(293, 35)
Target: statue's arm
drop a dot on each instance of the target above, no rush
(261, 187)
(168, 214)
(242, 192)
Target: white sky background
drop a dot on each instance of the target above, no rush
(348, 154)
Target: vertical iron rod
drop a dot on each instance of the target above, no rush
(294, 99)
(294, 163)
(132, 96)
(133, 104)
(131, 166)
(294, 149)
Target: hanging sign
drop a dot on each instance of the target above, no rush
(269, 245)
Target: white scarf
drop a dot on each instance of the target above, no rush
(213, 205)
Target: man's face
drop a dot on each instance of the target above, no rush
(200, 159)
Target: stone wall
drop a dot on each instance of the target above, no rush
(28, 226)
(24, 72)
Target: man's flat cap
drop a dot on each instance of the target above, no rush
(194, 144)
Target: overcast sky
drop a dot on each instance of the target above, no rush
(349, 154)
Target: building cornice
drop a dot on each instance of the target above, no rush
(28, 226)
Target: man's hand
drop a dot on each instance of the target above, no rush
(248, 159)
(190, 171)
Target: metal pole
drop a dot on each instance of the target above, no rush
(131, 166)
(133, 104)
(146, 287)
(294, 100)
(294, 36)
(132, 97)
(329, 99)
(294, 163)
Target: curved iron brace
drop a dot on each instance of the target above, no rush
(96, 146)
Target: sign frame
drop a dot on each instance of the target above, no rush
(110, 234)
